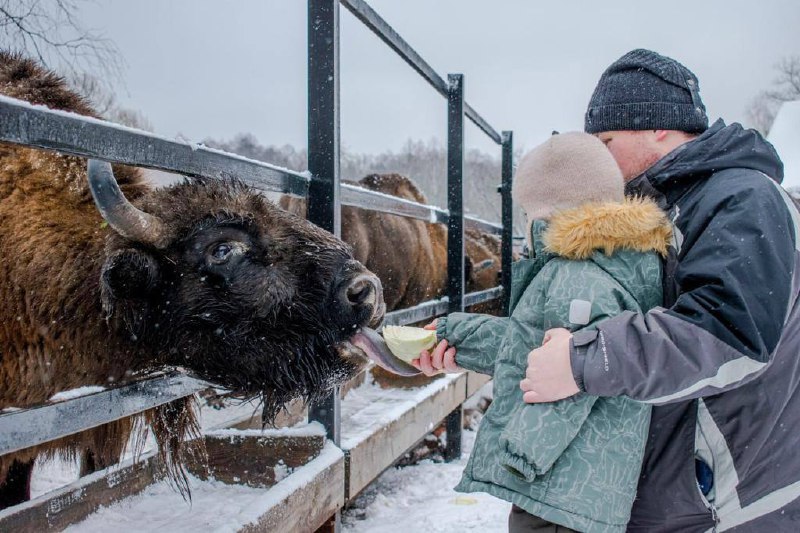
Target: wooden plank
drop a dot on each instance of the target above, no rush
(61, 508)
(368, 457)
(475, 381)
(305, 500)
(254, 458)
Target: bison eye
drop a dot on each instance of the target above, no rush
(221, 253)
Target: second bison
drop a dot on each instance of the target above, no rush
(409, 255)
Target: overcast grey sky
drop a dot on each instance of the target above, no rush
(206, 68)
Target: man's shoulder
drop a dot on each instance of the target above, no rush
(738, 186)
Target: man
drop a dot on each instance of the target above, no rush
(721, 361)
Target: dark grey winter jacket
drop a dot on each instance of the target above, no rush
(722, 363)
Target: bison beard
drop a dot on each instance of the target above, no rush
(206, 275)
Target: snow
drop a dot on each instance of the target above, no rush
(785, 136)
(412, 498)
(314, 429)
(368, 407)
(75, 393)
(53, 474)
(421, 498)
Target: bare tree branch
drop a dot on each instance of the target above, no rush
(786, 87)
(51, 33)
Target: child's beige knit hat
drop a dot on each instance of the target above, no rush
(566, 171)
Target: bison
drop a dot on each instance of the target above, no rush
(206, 275)
(409, 255)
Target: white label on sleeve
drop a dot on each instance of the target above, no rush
(580, 312)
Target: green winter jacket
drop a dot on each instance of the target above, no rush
(575, 462)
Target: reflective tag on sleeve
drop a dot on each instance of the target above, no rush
(580, 312)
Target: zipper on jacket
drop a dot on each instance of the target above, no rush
(711, 507)
(715, 516)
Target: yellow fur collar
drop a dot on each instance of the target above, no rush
(636, 224)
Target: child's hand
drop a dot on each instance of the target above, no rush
(432, 325)
(441, 359)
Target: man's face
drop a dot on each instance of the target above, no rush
(634, 151)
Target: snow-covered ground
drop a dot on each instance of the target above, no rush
(412, 498)
(421, 498)
(402, 500)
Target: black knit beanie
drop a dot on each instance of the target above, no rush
(643, 90)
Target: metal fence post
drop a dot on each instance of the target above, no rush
(323, 151)
(507, 218)
(455, 229)
(323, 164)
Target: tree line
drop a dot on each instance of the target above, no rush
(425, 162)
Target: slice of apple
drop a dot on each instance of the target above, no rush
(406, 342)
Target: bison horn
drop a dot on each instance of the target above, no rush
(121, 215)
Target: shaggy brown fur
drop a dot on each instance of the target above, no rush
(84, 306)
(407, 254)
(636, 224)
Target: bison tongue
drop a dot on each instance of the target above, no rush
(375, 348)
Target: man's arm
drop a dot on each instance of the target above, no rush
(735, 277)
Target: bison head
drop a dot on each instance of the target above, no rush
(211, 276)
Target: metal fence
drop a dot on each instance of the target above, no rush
(24, 124)
(323, 164)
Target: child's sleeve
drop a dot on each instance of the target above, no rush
(475, 337)
(580, 295)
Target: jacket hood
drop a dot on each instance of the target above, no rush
(636, 224)
(718, 148)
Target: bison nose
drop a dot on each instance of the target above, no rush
(362, 290)
(359, 299)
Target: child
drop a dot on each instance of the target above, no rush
(594, 254)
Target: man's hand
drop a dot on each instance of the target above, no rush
(549, 374)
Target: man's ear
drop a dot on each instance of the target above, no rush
(128, 277)
(661, 134)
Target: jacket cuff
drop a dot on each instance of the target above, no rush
(441, 328)
(577, 355)
(517, 466)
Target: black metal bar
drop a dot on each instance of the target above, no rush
(482, 225)
(454, 423)
(481, 123)
(354, 196)
(36, 126)
(433, 308)
(507, 217)
(485, 295)
(323, 153)
(29, 427)
(370, 18)
(455, 227)
(455, 193)
(417, 313)
(363, 12)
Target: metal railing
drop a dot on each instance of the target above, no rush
(35, 126)
(325, 191)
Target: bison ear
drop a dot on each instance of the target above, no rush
(127, 275)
